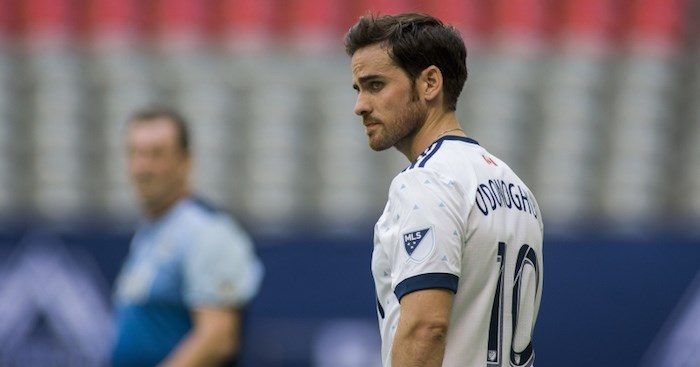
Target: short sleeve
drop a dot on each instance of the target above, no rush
(428, 210)
(220, 267)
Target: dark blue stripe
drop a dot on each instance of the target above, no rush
(421, 156)
(428, 151)
(426, 281)
(429, 155)
(380, 308)
(425, 156)
(460, 138)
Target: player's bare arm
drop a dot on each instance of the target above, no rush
(422, 330)
(212, 339)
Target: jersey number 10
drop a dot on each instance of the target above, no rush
(525, 288)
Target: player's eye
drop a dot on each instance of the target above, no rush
(376, 85)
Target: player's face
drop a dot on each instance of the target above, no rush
(387, 101)
(158, 167)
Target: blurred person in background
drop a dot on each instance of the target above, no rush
(457, 260)
(191, 270)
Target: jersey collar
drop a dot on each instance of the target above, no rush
(458, 138)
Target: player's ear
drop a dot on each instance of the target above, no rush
(431, 82)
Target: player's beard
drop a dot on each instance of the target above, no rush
(156, 193)
(403, 128)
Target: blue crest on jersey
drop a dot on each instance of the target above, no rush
(411, 240)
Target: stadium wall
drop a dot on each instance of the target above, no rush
(606, 297)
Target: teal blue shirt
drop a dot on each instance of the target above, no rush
(190, 257)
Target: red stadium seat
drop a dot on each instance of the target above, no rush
(179, 20)
(45, 20)
(589, 19)
(314, 23)
(113, 19)
(8, 19)
(469, 16)
(660, 22)
(247, 23)
(382, 7)
(521, 19)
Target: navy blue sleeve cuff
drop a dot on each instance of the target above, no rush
(426, 281)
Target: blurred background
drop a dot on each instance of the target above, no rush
(594, 103)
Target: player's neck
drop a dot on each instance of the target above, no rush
(157, 211)
(434, 128)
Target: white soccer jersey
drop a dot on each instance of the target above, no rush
(458, 218)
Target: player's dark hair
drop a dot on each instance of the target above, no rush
(415, 41)
(150, 113)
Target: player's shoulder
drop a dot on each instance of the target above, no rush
(447, 160)
(445, 151)
(198, 214)
(463, 157)
(194, 212)
(211, 226)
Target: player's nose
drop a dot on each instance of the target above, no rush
(362, 106)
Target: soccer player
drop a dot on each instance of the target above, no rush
(457, 260)
(191, 269)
